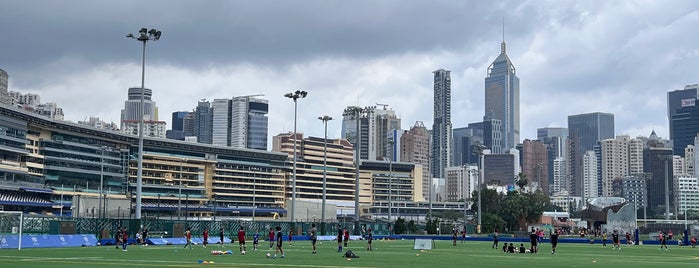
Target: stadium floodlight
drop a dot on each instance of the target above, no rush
(144, 37)
(298, 94)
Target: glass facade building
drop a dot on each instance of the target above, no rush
(502, 98)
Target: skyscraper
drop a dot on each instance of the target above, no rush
(441, 128)
(584, 132)
(376, 127)
(502, 97)
(535, 164)
(4, 95)
(614, 162)
(415, 148)
(685, 126)
(130, 115)
(240, 122)
(202, 122)
(677, 99)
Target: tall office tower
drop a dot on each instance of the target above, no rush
(241, 122)
(685, 125)
(464, 139)
(202, 122)
(376, 126)
(658, 162)
(130, 115)
(614, 162)
(415, 148)
(499, 169)
(633, 188)
(680, 98)
(177, 131)
(635, 156)
(502, 97)
(584, 132)
(4, 94)
(132, 106)
(493, 135)
(589, 168)
(441, 128)
(555, 140)
(535, 164)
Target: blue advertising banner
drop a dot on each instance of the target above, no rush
(48, 241)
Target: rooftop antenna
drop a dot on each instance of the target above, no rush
(502, 46)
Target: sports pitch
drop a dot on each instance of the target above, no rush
(385, 254)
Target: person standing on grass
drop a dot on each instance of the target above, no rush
(495, 239)
(280, 243)
(347, 236)
(533, 237)
(220, 237)
(313, 236)
(554, 241)
(271, 238)
(463, 235)
(117, 238)
(370, 238)
(291, 236)
(205, 236)
(339, 238)
(144, 237)
(663, 241)
(615, 240)
(241, 239)
(255, 240)
(628, 238)
(188, 237)
(604, 239)
(454, 235)
(124, 239)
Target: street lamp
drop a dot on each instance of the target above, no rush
(254, 182)
(478, 150)
(390, 181)
(356, 111)
(145, 35)
(298, 94)
(101, 192)
(325, 120)
(179, 195)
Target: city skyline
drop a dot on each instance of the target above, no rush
(587, 57)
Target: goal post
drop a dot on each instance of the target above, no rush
(423, 243)
(11, 223)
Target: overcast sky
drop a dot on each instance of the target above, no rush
(572, 57)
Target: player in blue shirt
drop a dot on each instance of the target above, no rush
(255, 240)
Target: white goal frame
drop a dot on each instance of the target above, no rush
(21, 223)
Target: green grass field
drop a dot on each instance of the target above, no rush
(385, 254)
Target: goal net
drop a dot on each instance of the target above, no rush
(11, 229)
(422, 243)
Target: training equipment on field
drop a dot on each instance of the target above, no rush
(423, 243)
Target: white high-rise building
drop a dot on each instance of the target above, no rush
(689, 161)
(687, 196)
(678, 166)
(614, 162)
(589, 166)
(460, 182)
(635, 156)
(441, 127)
(560, 175)
(130, 115)
(377, 126)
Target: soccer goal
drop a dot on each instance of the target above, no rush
(423, 243)
(11, 225)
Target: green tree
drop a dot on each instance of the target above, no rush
(399, 226)
(412, 227)
(522, 181)
(431, 226)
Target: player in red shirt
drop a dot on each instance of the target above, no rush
(241, 239)
(124, 239)
(205, 235)
(188, 237)
(346, 233)
(291, 236)
(271, 238)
